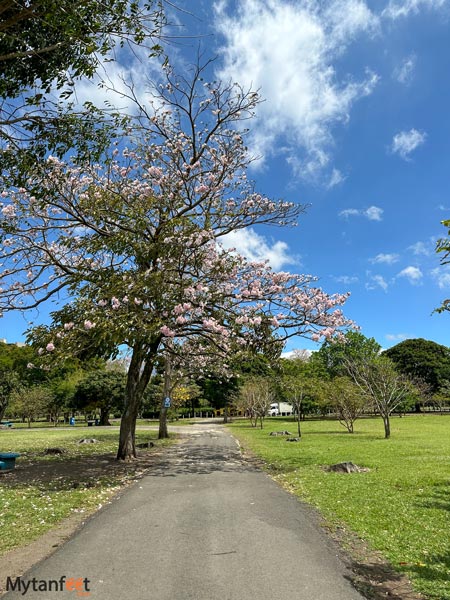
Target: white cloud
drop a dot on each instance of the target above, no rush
(335, 179)
(376, 281)
(404, 72)
(406, 142)
(441, 275)
(346, 279)
(373, 213)
(421, 248)
(388, 259)
(397, 337)
(402, 8)
(413, 274)
(256, 248)
(288, 51)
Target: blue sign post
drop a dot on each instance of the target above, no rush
(167, 402)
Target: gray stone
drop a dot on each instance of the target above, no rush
(280, 433)
(347, 467)
(145, 445)
(88, 441)
(55, 451)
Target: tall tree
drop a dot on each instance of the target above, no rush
(136, 243)
(353, 346)
(423, 360)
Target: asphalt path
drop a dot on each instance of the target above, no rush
(203, 524)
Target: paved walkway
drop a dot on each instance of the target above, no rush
(204, 524)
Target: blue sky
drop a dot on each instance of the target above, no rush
(355, 124)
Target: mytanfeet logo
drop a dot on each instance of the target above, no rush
(79, 585)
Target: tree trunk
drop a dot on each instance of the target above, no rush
(163, 432)
(139, 372)
(298, 424)
(104, 415)
(225, 415)
(3, 410)
(387, 427)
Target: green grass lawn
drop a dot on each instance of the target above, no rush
(401, 507)
(34, 504)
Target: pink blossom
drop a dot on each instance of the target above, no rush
(167, 332)
(68, 326)
(202, 189)
(9, 211)
(89, 325)
(50, 347)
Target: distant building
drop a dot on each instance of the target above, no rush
(18, 344)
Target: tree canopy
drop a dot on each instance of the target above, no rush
(49, 42)
(333, 355)
(133, 243)
(422, 360)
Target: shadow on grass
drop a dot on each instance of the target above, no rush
(439, 499)
(76, 472)
(437, 570)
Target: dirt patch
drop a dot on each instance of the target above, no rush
(372, 574)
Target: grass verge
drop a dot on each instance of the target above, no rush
(44, 490)
(400, 507)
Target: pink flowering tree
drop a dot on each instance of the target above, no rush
(131, 246)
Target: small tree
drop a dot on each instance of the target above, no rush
(255, 398)
(30, 403)
(382, 384)
(297, 389)
(103, 390)
(347, 399)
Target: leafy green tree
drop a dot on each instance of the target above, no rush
(101, 390)
(30, 403)
(333, 355)
(63, 390)
(9, 384)
(52, 42)
(422, 360)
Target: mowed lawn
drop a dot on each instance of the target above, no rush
(401, 507)
(50, 488)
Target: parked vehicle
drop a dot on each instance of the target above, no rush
(280, 409)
